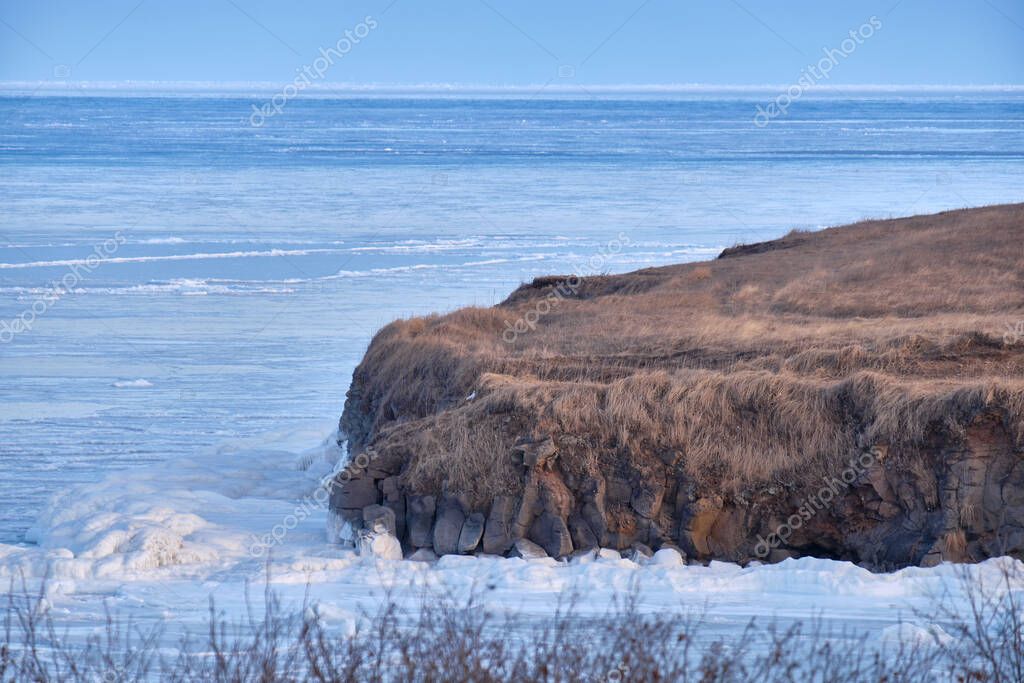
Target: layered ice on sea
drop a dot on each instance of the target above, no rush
(256, 269)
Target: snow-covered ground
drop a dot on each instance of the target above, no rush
(154, 544)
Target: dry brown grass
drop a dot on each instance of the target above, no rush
(444, 640)
(773, 363)
(955, 543)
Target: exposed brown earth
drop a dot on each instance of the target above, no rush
(860, 389)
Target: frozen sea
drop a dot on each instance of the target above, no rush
(182, 396)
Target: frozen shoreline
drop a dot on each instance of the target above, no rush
(155, 544)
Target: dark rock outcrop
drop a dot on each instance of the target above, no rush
(962, 499)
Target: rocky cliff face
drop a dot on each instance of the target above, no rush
(888, 435)
(961, 499)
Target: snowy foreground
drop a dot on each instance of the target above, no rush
(154, 545)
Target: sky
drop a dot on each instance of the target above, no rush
(513, 43)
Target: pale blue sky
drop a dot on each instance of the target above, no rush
(501, 42)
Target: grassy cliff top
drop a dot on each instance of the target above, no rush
(773, 362)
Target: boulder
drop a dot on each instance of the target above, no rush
(353, 494)
(419, 520)
(498, 532)
(528, 550)
(472, 532)
(448, 527)
(551, 533)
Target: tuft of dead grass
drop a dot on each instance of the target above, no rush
(980, 639)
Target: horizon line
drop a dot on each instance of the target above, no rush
(157, 87)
